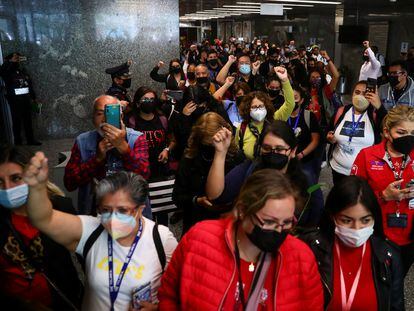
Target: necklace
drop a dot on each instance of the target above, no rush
(252, 266)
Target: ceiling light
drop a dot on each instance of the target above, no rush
(300, 5)
(308, 1)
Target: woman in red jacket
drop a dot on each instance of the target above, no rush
(248, 261)
(389, 169)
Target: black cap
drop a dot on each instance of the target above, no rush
(119, 71)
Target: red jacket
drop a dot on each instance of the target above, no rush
(372, 165)
(203, 267)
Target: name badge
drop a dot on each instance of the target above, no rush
(21, 91)
(397, 220)
(348, 149)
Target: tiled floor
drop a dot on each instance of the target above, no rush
(52, 147)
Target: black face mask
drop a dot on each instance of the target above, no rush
(191, 75)
(404, 144)
(175, 69)
(239, 100)
(207, 152)
(266, 240)
(273, 93)
(202, 80)
(213, 62)
(365, 58)
(393, 81)
(148, 105)
(296, 106)
(126, 83)
(275, 161)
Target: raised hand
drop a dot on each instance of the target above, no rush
(232, 59)
(36, 174)
(222, 140)
(365, 44)
(374, 99)
(324, 54)
(229, 80)
(189, 108)
(281, 73)
(116, 136)
(160, 64)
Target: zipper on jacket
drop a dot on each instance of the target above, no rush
(277, 280)
(232, 277)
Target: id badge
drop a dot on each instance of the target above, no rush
(141, 293)
(21, 91)
(397, 220)
(348, 149)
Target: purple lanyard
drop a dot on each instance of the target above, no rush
(114, 290)
(354, 125)
(296, 122)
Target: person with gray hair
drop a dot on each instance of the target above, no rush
(119, 246)
(101, 152)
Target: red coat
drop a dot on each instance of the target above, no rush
(372, 165)
(203, 267)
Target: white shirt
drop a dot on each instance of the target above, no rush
(371, 68)
(143, 268)
(363, 137)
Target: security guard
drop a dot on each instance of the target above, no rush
(121, 81)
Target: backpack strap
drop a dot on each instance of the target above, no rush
(159, 247)
(91, 240)
(307, 118)
(242, 131)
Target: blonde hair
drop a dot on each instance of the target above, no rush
(53, 190)
(261, 186)
(396, 115)
(203, 131)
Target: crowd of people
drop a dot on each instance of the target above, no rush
(244, 130)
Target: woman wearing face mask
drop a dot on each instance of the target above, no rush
(124, 252)
(189, 193)
(353, 128)
(277, 151)
(247, 261)
(359, 268)
(30, 262)
(146, 119)
(274, 89)
(231, 106)
(388, 169)
(174, 79)
(257, 111)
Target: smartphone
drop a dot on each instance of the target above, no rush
(113, 115)
(177, 95)
(371, 85)
(142, 293)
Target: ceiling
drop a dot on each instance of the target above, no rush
(198, 6)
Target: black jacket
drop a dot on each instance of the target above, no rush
(386, 268)
(57, 262)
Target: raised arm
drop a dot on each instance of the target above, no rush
(65, 229)
(218, 95)
(222, 75)
(333, 71)
(284, 112)
(216, 176)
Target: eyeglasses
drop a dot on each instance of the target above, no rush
(274, 225)
(257, 108)
(277, 149)
(395, 73)
(123, 210)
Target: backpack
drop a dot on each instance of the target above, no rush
(155, 234)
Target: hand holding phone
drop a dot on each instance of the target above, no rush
(113, 115)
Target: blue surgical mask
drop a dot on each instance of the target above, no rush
(118, 225)
(14, 197)
(245, 69)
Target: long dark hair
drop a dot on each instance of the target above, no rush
(140, 92)
(350, 191)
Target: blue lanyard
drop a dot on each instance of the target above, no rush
(113, 291)
(354, 125)
(296, 122)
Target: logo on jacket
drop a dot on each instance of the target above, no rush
(377, 165)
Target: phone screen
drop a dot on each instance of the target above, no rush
(371, 85)
(113, 115)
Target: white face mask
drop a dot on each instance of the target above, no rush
(352, 237)
(258, 114)
(360, 103)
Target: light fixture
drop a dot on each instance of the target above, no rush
(308, 1)
(299, 5)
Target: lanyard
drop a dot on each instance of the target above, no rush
(347, 303)
(354, 126)
(114, 290)
(296, 122)
(394, 171)
(240, 281)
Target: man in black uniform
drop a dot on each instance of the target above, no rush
(19, 94)
(121, 82)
